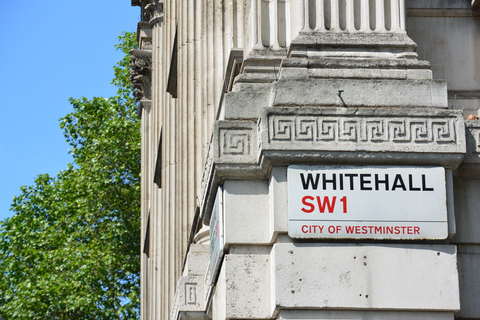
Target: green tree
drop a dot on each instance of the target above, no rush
(71, 250)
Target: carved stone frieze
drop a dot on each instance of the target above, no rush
(338, 129)
(189, 299)
(141, 73)
(236, 142)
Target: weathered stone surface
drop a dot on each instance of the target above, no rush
(197, 260)
(359, 92)
(235, 142)
(363, 129)
(357, 73)
(309, 44)
(248, 219)
(243, 288)
(245, 105)
(189, 298)
(354, 63)
(362, 276)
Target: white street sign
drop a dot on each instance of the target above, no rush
(216, 238)
(348, 202)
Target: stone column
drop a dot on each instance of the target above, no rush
(274, 23)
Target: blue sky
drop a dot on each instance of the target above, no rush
(51, 50)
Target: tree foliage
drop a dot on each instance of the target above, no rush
(71, 249)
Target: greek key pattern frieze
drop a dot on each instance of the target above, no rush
(308, 129)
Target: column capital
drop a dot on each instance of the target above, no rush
(150, 9)
(141, 73)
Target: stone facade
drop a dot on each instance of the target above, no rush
(233, 93)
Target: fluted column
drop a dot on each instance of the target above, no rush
(273, 24)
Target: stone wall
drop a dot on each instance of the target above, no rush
(233, 92)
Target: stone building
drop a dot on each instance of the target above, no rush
(309, 159)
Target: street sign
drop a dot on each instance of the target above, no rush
(216, 238)
(354, 202)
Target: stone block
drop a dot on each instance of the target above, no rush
(360, 276)
(197, 261)
(245, 105)
(189, 300)
(235, 142)
(363, 129)
(360, 92)
(246, 207)
(419, 74)
(358, 73)
(243, 288)
(309, 44)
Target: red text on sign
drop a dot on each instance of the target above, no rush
(322, 203)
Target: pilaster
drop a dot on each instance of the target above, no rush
(307, 82)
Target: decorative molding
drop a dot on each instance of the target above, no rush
(156, 13)
(395, 130)
(191, 293)
(236, 142)
(150, 10)
(141, 73)
(145, 6)
(189, 300)
(389, 132)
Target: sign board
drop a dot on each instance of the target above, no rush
(216, 237)
(353, 202)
